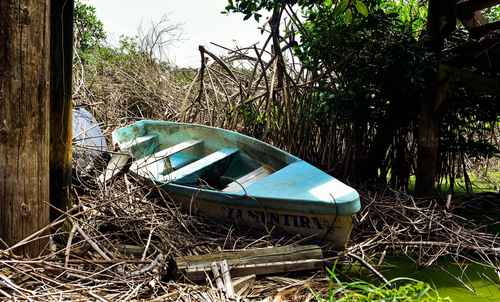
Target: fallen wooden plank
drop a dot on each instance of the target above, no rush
(115, 166)
(243, 284)
(217, 276)
(129, 249)
(261, 261)
(226, 276)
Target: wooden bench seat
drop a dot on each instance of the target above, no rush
(165, 153)
(157, 163)
(192, 171)
(142, 145)
(247, 180)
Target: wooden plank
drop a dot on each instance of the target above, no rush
(473, 80)
(249, 256)
(243, 284)
(24, 122)
(217, 276)
(199, 165)
(163, 154)
(226, 276)
(117, 163)
(141, 146)
(261, 261)
(247, 180)
(196, 274)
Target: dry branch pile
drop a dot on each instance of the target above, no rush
(128, 88)
(116, 243)
(266, 95)
(423, 230)
(248, 90)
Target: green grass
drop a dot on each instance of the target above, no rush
(487, 183)
(397, 290)
(480, 184)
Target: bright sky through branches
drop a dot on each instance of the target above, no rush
(201, 23)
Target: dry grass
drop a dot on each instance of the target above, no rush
(117, 91)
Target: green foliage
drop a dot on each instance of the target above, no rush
(127, 52)
(89, 30)
(372, 74)
(309, 8)
(361, 8)
(404, 290)
(412, 13)
(493, 13)
(89, 33)
(375, 74)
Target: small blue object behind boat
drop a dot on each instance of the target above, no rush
(88, 140)
(240, 179)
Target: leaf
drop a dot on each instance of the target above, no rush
(328, 3)
(361, 8)
(340, 7)
(348, 16)
(343, 5)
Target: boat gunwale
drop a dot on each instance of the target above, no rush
(235, 133)
(298, 205)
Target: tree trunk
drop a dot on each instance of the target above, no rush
(441, 21)
(24, 121)
(428, 134)
(428, 151)
(61, 108)
(275, 33)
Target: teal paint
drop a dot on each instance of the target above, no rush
(292, 185)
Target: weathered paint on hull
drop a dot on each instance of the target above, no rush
(235, 178)
(331, 228)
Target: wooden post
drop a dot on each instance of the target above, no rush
(61, 108)
(24, 121)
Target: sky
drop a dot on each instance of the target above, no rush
(201, 22)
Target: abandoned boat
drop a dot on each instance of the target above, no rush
(229, 176)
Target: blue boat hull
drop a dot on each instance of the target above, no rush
(232, 177)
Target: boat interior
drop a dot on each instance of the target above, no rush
(203, 157)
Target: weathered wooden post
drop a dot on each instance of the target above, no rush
(24, 120)
(61, 107)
